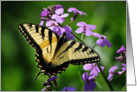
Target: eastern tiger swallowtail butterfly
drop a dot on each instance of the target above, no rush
(54, 53)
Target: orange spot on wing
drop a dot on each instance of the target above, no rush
(46, 43)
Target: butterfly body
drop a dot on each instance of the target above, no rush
(54, 53)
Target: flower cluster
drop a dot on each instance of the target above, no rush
(48, 85)
(121, 58)
(94, 70)
(53, 17)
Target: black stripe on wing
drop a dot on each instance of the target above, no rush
(28, 37)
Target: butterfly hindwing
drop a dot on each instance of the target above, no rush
(75, 53)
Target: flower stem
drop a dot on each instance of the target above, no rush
(78, 38)
(105, 77)
(108, 83)
(79, 74)
(70, 22)
(82, 36)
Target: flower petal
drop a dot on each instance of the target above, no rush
(108, 43)
(110, 76)
(94, 71)
(72, 9)
(79, 30)
(60, 20)
(71, 89)
(64, 89)
(123, 68)
(54, 16)
(120, 58)
(50, 23)
(123, 64)
(97, 35)
(52, 78)
(68, 29)
(90, 86)
(41, 23)
(87, 67)
(81, 23)
(85, 76)
(91, 77)
(64, 15)
(93, 27)
(99, 69)
(59, 11)
(100, 42)
(113, 68)
(44, 14)
(70, 36)
(88, 32)
(121, 49)
(80, 12)
(58, 6)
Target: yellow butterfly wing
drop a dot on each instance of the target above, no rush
(55, 53)
(42, 39)
(75, 53)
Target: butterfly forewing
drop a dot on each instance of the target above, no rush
(40, 38)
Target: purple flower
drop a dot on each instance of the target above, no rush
(90, 84)
(69, 35)
(44, 89)
(59, 16)
(120, 58)
(85, 28)
(76, 13)
(122, 49)
(44, 13)
(123, 68)
(51, 23)
(111, 72)
(54, 27)
(68, 89)
(58, 6)
(48, 84)
(59, 30)
(41, 23)
(93, 68)
(52, 79)
(102, 40)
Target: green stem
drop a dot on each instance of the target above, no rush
(108, 83)
(82, 36)
(79, 74)
(70, 22)
(94, 45)
(78, 38)
(105, 77)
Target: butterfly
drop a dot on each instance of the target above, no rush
(54, 53)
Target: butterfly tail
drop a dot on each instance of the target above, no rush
(37, 76)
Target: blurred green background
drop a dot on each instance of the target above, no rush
(18, 66)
